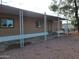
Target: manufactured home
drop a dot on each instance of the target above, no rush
(15, 21)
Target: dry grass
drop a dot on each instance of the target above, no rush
(16, 45)
(59, 48)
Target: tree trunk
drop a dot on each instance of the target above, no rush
(76, 14)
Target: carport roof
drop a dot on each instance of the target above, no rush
(15, 11)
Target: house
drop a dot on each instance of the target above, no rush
(15, 22)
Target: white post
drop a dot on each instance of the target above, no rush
(1, 2)
(45, 26)
(21, 29)
(58, 27)
(59, 19)
(67, 28)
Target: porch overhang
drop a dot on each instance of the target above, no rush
(15, 11)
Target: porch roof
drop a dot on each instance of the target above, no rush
(15, 11)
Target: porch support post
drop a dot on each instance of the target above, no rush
(58, 27)
(67, 28)
(21, 29)
(1, 2)
(59, 19)
(45, 26)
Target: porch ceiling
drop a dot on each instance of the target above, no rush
(15, 11)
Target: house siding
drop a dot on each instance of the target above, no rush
(29, 26)
(10, 31)
(55, 26)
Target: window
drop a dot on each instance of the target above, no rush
(6, 22)
(39, 24)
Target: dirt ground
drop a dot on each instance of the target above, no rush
(57, 48)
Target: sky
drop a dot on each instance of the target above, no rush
(39, 6)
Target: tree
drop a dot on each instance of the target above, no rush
(67, 8)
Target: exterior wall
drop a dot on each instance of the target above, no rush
(49, 26)
(30, 25)
(30, 29)
(53, 26)
(60, 25)
(10, 31)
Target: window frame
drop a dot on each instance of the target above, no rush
(39, 24)
(7, 19)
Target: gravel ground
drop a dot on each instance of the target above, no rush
(62, 48)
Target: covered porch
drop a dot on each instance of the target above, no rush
(26, 24)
